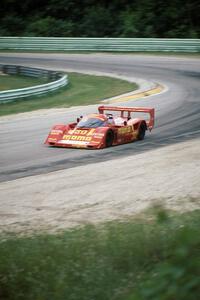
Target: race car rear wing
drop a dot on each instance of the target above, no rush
(129, 110)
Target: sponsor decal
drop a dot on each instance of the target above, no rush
(77, 131)
(124, 130)
(91, 132)
(52, 139)
(81, 131)
(77, 138)
(56, 132)
(71, 142)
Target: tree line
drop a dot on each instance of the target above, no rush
(100, 18)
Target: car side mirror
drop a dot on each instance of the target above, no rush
(125, 123)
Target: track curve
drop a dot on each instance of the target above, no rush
(177, 111)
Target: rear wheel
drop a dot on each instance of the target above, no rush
(109, 138)
(142, 131)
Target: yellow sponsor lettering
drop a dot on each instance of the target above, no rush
(91, 132)
(66, 137)
(81, 132)
(78, 131)
(77, 138)
(80, 138)
(53, 132)
(73, 137)
(124, 130)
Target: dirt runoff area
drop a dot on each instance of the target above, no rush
(110, 190)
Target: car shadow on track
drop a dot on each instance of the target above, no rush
(95, 156)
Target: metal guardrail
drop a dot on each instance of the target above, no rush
(57, 80)
(99, 44)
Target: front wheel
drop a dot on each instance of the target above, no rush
(141, 133)
(109, 138)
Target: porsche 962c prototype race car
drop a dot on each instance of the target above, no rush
(111, 126)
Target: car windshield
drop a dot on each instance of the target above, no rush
(91, 123)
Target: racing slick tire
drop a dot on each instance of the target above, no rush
(109, 138)
(141, 133)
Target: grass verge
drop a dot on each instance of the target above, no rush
(8, 82)
(157, 259)
(81, 90)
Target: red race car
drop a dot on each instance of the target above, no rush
(111, 126)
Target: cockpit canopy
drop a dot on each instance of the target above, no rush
(92, 121)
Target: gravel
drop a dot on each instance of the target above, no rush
(99, 192)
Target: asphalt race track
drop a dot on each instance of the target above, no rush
(22, 152)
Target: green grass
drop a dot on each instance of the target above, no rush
(82, 90)
(141, 259)
(8, 82)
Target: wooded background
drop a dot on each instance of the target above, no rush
(96, 18)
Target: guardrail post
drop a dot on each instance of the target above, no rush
(18, 70)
